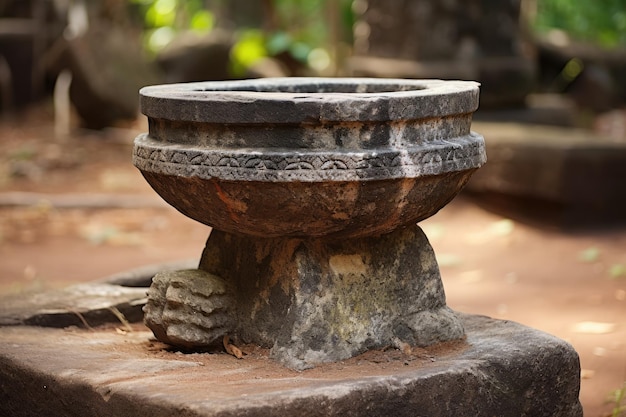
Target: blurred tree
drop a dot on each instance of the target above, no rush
(164, 18)
(303, 33)
(602, 22)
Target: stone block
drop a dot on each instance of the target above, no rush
(501, 369)
(567, 177)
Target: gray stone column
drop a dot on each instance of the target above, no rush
(316, 300)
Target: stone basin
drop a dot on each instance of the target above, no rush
(313, 187)
(309, 157)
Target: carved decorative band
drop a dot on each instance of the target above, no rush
(439, 157)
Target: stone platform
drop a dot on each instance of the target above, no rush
(501, 369)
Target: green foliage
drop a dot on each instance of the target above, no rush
(163, 19)
(300, 29)
(202, 21)
(617, 271)
(589, 255)
(303, 19)
(599, 21)
(618, 399)
(249, 48)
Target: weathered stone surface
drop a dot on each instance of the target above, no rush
(568, 177)
(142, 276)
(79, 305)
(256, 157)
(315, 301)
(189, 308)
(503, 369)
(88, 304)
(308, 100)
(331, 209)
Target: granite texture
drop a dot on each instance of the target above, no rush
(502, 369)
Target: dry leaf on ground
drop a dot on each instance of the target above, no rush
(232, 349)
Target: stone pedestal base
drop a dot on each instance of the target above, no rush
(501, 369)
(315, 301)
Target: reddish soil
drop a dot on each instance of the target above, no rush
(572, 285)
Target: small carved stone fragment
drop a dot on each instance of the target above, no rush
(189, 308)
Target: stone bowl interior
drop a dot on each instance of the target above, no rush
(340, 87)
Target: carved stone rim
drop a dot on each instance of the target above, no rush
(309, 100)
(439, 157)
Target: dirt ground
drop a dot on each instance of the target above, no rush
(60, 223)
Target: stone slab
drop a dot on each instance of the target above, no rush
(539, 109)
(90, 304)
(502, 369)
